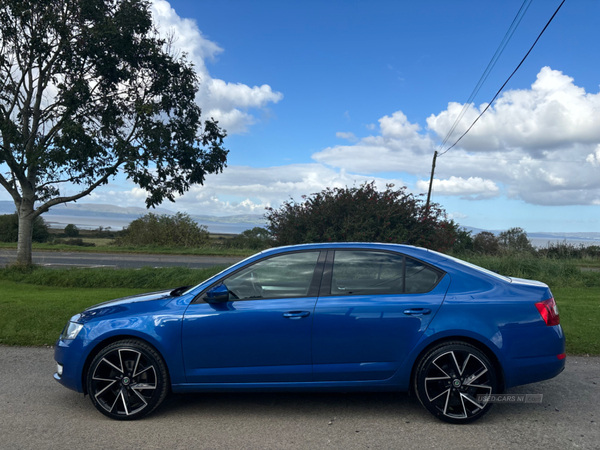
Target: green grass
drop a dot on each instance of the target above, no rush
(210, 250)
(35, 304)
(35, 315)
(145, 278)
(579, 310)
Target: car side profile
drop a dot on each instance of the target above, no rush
(321, 317)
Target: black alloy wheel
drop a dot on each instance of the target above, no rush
(127, 380)
(453, 382)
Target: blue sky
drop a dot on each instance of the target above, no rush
(318, 94)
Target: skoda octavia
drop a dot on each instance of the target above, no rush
(321, 317)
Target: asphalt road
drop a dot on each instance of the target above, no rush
(38, 413)
(117, 260)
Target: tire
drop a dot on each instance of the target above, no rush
(127, 380)
(450, 378)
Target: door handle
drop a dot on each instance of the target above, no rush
(417, 311)
(296, 314)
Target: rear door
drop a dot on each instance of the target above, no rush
(372, 309)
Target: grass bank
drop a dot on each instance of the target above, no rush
(210, 250)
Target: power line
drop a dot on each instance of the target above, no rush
(507, 80)
(509, 33)
(435, 154)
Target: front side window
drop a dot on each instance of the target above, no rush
(277, 277)
(367, 273)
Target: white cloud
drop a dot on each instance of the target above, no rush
(553, 113)
(229, 103)
(473, 186)
(248, 190)
(457, 216)
(541, 145)
(348, 136)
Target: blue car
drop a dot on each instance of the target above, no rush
(321, 317)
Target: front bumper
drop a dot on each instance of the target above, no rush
(71, 355)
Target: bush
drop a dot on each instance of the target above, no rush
(362, 214)
(486, 243)
(9, 229)
(71, 230)
(564, 250)
(75, 241)
(256, 238)
(179, 230)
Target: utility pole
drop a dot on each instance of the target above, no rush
(430, 182)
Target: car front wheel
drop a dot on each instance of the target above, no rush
(453, 381)
(127, 380)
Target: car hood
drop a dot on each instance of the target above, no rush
(133, 299)
(119, 305)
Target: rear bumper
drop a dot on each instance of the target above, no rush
(535, 357)
(532, 370)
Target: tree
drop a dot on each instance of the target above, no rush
(362, 214)
(9, 229)
(71, 230)
(256, 238)
(486, 243)
(88, 88)
(515, 240)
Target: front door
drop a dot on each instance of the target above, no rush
(263, 333)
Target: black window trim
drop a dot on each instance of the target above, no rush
(325, 290)
(313, 289)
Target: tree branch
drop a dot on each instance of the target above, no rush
(11, 190)
(57, 201)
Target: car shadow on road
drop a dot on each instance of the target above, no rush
(292, 404)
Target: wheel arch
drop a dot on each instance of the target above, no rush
(460, 338)
(109, 340)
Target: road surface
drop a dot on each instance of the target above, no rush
(119, 260)
(38, 413)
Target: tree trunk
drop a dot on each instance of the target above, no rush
(25, 212)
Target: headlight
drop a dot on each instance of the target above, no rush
(71, 330)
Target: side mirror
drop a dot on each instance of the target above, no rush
(218, 294)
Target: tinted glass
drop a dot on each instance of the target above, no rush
(420, 277)
(366, 273)
(281, 276)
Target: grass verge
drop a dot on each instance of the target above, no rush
(210, 250)
(144, 278)
(35, 315)
(36, 304)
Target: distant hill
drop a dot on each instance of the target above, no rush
(92, 215)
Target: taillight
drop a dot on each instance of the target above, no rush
(549, 312)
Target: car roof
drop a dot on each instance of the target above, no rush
(409, 250)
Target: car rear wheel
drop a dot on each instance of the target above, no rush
(127, 380)
(452, 382)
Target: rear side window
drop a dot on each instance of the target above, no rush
(420, 277)
(367, 273)
(361, 272)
